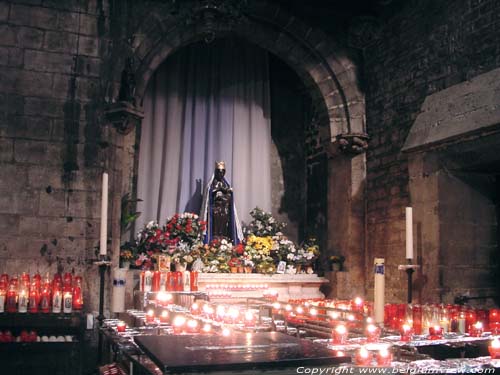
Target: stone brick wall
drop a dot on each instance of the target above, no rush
(428, 46)
(52, 146)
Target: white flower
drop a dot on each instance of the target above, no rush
(151, 224)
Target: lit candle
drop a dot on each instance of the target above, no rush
(435, 333)
(23, 302)
(104, 215)
(207, 328)
(120, 327)
(67, 302)
(192, 326)
(372, 333)
(406, 332)
(339, 335)
(384, 357)
(249, 318)
(494, 349)
(178, 323)
(409, 233)
(363, 357)
(164, 316)
(477, 329)
(150, 316)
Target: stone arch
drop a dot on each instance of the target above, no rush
(325, 67)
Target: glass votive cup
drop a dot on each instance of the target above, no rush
(476, 330)
(494, 349)
(339, 335)
(363, 357)
(384, 357)
(121, 326)
(406, 332)
(372, 333)
(435, 333)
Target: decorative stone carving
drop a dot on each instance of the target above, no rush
(124, 116)
(352, 143)
(210, 15)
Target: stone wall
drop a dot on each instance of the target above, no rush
(52, 146)
(428, 46)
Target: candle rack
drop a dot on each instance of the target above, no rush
(409, 268)
(103, 263)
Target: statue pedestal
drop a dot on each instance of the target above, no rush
(239, 286)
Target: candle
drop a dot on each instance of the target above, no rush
(363, 357)
(67, 302)
(339, 335)
(435, 333)
(409, 233)
(372, 333)
(164, 316)
(23, 302)
(379, 289)
(56, 301)
(178, 323)
(104, 215)
(150, 316)
(494, 349)
(192, 326)
(406, 332)
(384, 357)
(477, 330)
(120, 327)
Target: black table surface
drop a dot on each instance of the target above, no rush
(243, 351)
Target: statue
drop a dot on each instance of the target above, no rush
(127, 83)
(218, 208)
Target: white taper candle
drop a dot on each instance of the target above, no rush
(409, 233)
(379, 290)
(104, 215)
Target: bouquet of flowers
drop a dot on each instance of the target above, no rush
(151, 240)
(186, 227)
(258, 249)
(284, 248)
(216, 255)
(308, 253)
(263, 224)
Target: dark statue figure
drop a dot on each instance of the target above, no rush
(220, 197)
(218, 209)
(127, 83)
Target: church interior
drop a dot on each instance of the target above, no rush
(341, 156)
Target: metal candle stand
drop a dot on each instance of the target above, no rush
(103, 263)
(409, 268)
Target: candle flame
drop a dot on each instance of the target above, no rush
(226, 332)
(495, 343)
(179, 321)
(363, 352)
(341, 329)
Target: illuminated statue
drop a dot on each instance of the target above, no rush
(218, 208)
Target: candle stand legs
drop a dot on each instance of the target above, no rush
(103, 265)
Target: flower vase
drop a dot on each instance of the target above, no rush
(309, 270)
(234, 269)
(248, 269)
(180, 267)
(241, 269)
(298, 268)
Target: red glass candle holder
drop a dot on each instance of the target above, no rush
(372, 333)
(121, 326)
(339, 335)
(384, 357)
(363, 357)
(194, 281)
(494, 349)
(406, 332)
(150, 316)
(417, 319)
(476, 330)
(435, 333)
(164, 316)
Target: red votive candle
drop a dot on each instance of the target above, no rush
(164, 317)
(435, 333)
(372, 333)
(363, 357)
(150, 316)
(494, 349)
(406, 332)
(476, 330)
(384, 357)
(120, 327)
(339, 335)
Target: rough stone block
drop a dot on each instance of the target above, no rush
(33, 226)
(8, 36)
(88, 66)
(4, 56)
(35, 106)
(43, 18)
(18, 202)
(4, 11)
(43, 177)
(9, 224)
(13, 177)
(16, 57)
(52, 204)
(29, 83)
(68, 22)
(61, 42)
(29, 37)
(83, 204)
(48, 62)
(88, 25)
(30, 151)
(6, 150)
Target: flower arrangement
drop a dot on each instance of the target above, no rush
(263, 224)
(336, 262)
(216, 255)
(258, 249)
(186, 227)
(308, 252)
(284, 248)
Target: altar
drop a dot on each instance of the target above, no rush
(238, 286)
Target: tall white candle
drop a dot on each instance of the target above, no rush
(104, 215)
(379, 289)
(409, 233)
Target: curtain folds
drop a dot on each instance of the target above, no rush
(207, 102)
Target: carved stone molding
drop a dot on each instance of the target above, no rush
(124, 116)
(352, 143)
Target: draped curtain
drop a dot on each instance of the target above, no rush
(207, 102)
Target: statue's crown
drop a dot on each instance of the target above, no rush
(220, 165)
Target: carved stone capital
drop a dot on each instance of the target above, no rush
(124, 116)
(352, 143)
